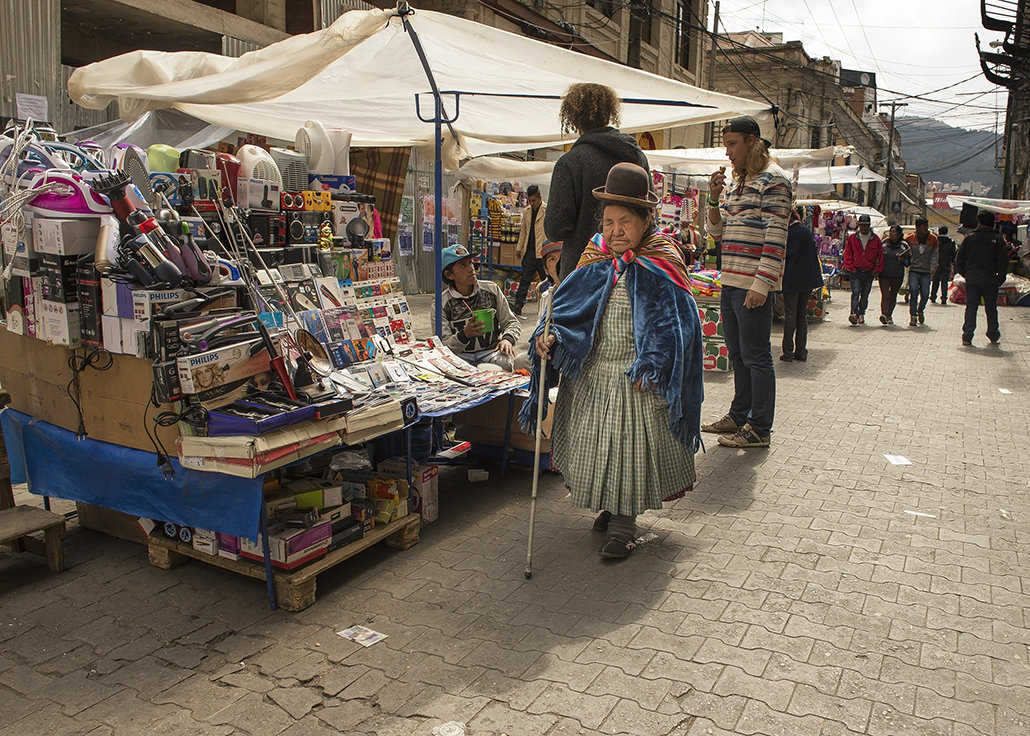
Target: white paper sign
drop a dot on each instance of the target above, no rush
(898, 459)
(32, 106)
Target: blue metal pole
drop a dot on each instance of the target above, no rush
(438, 218)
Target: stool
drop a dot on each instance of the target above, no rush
(17, 522)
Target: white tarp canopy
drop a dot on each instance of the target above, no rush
(1002, 206)
(703, 161)
(813, 166)
(362, 74)
(877, 220)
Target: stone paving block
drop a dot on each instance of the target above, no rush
(126, 713)
(297, 701)
(310, 725)
(51, 721)
(752, 661)
(723, 710)
(852, 712)
(729, 633)
(930, 705)
(255, 715)
(517, 693)
(757, 716)
(647, 693)
(667, 621)
(252, 680)
(346, 715)
(200, 696)
(148, 676)
(1010, 723)
(774, 693)
(941, 681)
(867, 663)
(498, 718)
(14, 705)
(758, 637)
(24, 680)
(433, 670)
(590, 710)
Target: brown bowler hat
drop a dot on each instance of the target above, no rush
(628, 184)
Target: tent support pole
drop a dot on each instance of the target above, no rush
(438, 119)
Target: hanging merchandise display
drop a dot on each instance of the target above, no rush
(233, 313)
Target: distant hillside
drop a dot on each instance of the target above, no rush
(939, 152)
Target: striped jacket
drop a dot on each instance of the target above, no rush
(753, 231)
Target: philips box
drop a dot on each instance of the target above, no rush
(258, 194)
(218, 372)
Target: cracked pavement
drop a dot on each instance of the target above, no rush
(811, 588)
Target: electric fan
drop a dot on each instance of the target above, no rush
(327, 149)
(257, 163)
(294, 168)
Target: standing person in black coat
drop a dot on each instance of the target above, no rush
(591, 110)
(945, 259)
(895, 258)
(983, 261)
(801, 274)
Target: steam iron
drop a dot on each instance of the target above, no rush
(73, 198)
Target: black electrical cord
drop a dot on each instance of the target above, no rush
(194, 414)
(98, 359)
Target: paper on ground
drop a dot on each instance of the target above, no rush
(898, 459)
(361, 635)
(1004, 391)
(921, 513)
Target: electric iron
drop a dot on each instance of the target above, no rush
(72, 197)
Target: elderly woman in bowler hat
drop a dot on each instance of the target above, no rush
(626, 341)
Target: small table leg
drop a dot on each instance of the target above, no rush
(269, 581)
(54, 547)
(507, 432)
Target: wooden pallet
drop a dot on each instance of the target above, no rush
(294, 591)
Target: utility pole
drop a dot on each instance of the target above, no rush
(894, 104)
(711, 69)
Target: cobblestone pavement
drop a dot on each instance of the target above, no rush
(811, 588)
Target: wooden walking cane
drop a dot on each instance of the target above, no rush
(541, 401)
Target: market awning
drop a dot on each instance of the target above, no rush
(703, 161)
(1002, 206)
(877, 220)
(362, 74)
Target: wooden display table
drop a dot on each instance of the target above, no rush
(294, 591)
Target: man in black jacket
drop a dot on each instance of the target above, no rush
(572, 213)
(983, 262)
(945, 258)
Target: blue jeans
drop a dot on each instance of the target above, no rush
(918, 286)
(747, 340)
(861, 283)
(990, 296)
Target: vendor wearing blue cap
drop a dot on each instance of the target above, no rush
(479, 324)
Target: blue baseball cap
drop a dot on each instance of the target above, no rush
(452, 254)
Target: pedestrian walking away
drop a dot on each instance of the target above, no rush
(923, 256)
(895, 259)
(863, 261)
(531, 240)
(945, 261)
(751, 224)
(982, 261)
(626, 341)
(591, 111)
(801, 274)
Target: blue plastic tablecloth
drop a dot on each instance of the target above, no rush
(55, 462)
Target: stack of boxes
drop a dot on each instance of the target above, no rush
(713, 339)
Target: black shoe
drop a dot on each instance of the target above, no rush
(615, 548)
(994, 340)
(787, 358)
(801, 356)
(921, 320)
(601, 522)
(517, 310)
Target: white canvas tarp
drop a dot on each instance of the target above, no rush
(1000, 206)
(362, 74)
(877, 220)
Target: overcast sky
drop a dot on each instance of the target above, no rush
(916, 47)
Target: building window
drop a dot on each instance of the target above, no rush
(640, 14)
(608, 7)
(685, 19)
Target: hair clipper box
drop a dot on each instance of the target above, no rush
(218, 372)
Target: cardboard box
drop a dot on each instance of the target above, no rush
(425, 485)
(288, 547)
(145, 304)
(318, 494)
(248, 456)
(58, 277)
(206, 541)
(333, 183)
(19, 249)
(111, 329)
(816, 310)
(110, 522)
(60, 324)
(228, 545)
(489, 418)
(66, 237)
(217, 372)
(258, 194)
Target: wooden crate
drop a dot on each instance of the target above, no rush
(294, 591)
